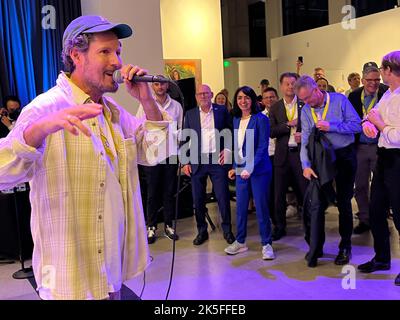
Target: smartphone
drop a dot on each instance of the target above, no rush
(300, 59)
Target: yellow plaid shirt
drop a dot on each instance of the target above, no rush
(67, 178)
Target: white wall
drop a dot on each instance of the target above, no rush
(249, 72)
(340, 51)
(191, 29)
(144, 48)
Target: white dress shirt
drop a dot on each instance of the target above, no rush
(208, 144)
(389, 108)
(289, 109)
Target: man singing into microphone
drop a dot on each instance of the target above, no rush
(87, 219)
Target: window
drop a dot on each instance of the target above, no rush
(301, 15)
(366, 7)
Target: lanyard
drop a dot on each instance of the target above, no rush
(326, 108)
(104, 140)
(372, 103)
(291, 116)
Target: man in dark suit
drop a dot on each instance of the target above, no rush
(363, 100)
(207, 154)
(286, 128)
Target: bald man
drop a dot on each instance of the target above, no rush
(207, 121)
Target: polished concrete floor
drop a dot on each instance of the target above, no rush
(207, 273)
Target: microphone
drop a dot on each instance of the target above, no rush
(117, 77)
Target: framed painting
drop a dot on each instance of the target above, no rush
(177, 69)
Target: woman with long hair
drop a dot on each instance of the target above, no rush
(222, 99)
(252, 169)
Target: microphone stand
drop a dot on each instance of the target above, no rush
(24, 273)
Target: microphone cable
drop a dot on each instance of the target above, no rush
(177, 188)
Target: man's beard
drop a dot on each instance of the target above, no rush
(99, 86)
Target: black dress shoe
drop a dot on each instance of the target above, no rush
(229, 237)
(373, 265)
(278, 234)
(397, 280)
(318, 255)
(200, 239)
(312, 263)
(361, 228)
(343, 257)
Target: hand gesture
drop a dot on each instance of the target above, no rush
(69, 119)
(323, 125)
(231, 174)
(138, 90)
(308, 173)
(292, 123)
(375, 118)
(187, 169)
(297, 137)
(6, 121)
(245, 175)
(369, 129)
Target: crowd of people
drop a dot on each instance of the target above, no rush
(80, 151)
(315, 141)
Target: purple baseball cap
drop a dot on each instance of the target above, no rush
(94, 24)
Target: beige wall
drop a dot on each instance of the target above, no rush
(249, 72)
(337, 50)
(145, 47)
(191, 29)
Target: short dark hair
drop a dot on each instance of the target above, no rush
(254, 103)
(264, 82)
(288, 75)
(11, 98)
(273, 90)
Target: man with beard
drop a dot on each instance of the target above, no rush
(161, 179)
(87, 219)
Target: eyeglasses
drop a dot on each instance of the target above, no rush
(202, 93)
(372, 80)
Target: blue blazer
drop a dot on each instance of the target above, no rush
(222, 121)
(260, 162)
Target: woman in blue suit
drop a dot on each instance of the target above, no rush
(252, 169)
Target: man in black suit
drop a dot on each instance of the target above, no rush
(363, 100)
(286, 128)
(207, 158)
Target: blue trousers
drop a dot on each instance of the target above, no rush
(259, 185)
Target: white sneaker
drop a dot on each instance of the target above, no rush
(170, 233)
(151, 235)
(291, 211)
(236, 248)
(268, 252)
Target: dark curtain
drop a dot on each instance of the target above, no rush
(30, 55)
